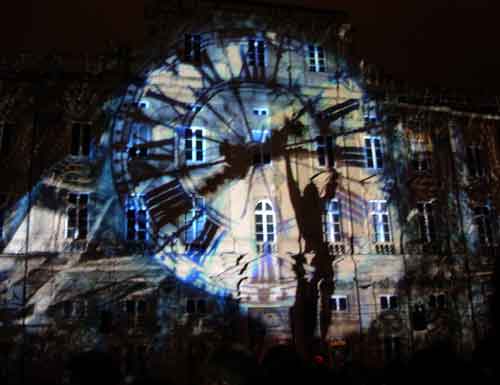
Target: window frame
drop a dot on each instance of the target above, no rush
(371, 153)
(421, 158)
(264, 213)
(254, 58)
(195, 220)
(427, 221)
(325, 150)
(260, 111)
(485, 225)
(195, 139)
(74, 232)
(333, 236)
(390, 299)
(135, 204)
(316, 58)
(435, 304)
(474, 161)
(379, 214)
(336, 299)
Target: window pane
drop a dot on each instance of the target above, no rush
(384, 303)
(333, 304)
(368, 153)
(342, 304)
(394, 302)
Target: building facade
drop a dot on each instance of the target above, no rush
(239, 174)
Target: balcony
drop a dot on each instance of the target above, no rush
(266, 247)
(386, 248)
(337, 248)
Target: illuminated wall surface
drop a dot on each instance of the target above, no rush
(248, 159)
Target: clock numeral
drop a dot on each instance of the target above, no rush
(153, 150)
(340, 110)
(166, 203)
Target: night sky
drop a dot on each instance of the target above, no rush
(453, 43)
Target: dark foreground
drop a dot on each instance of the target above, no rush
(234, 366)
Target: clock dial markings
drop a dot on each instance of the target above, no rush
(224, 121)
(180, 108)
(202, 244)
(164, 150)
(166, 203)
(241, 108)
(339, 110)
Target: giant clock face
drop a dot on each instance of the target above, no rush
(197, 151)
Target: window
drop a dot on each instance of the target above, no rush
(198, 306)
(379, 214)
(325, 148)
(373, 152)
(474, 159)
(262, 151)
(6, 136)
(136, 147)
(256, 53)
(75, 309)
(392, 348)
(3, 201)
(316, 58)
(192, 48)
(426, 221)
(483, 219)
(332, 222)
(195, 220)
(338, 303)
(136, 219)
(264, 223)
(260, 111)
(136, 312)
(77, 216)
(193, 145)
(369, 111)
(420, 156)
(437, 301)
(80, 139)
(389, 302)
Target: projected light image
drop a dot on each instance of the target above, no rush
(208, 142)
(241, 181)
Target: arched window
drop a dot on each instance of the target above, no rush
(264, 223)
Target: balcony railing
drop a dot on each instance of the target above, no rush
(386, 248)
